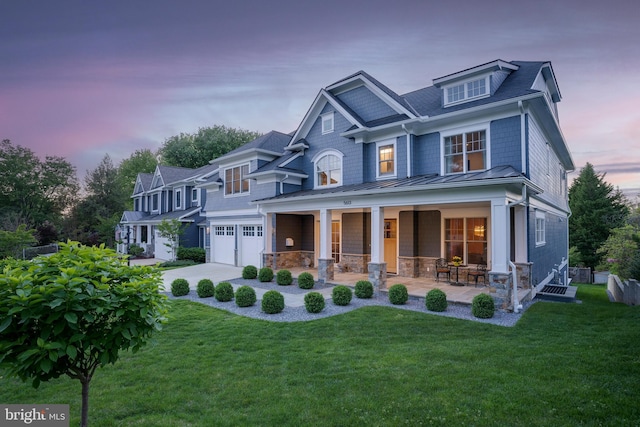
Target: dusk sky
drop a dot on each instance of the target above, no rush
(80, 79)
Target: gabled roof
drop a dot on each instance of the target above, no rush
(270, 143)
(143, 183)
(280, 166)
(184, 216)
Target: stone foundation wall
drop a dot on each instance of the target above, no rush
(523, 272)
(290, 259)
(353, 263)
(500, 289)
(417, 267)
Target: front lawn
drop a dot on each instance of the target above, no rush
(562, 364)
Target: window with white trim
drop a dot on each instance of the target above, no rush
(465, 152)
(235, 181)
(541, 225)
(328, 170)
(327, 122)
(178, 199)
(386, 160)
(466, 238)
(194, 195)
(219, 230)
(154, 202)
(230, 230)
(466, 91)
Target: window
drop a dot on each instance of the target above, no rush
(219, 230)
(540, 228)
(194, 195)
(465, 152)
(178, 199)
(248, 230)
(386, 159)
(329, 171)
(235, 181)
(136, 205)
(327, 122)
(154, 201)
(466, 238)
(335, 241)
(466, 91)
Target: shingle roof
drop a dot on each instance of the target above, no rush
(272, 141)
(274, 165)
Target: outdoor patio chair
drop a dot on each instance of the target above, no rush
(442, 267)
(479, 272)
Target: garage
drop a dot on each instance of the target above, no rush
(224, 244)
(251, 245)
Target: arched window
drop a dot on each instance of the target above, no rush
(328, 170)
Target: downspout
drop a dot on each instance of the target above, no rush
(404, 128)
(516, 305)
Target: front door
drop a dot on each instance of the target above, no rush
(390, 245)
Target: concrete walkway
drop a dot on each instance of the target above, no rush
(219, 273)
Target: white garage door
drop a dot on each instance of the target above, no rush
(224, 244)
(251, 243)
(162, 251)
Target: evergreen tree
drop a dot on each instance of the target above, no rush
(596, 209)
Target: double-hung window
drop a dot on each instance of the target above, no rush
(327, 122)
(328, 170)
(465, 152)
(466, 91)
(178, 199)
(386, 161)
(235, 181)
(540, 228)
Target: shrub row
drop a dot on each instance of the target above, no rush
(193, 254)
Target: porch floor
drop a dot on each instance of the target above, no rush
(416, 286)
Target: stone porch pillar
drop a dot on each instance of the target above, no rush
(377, 266)
(325, 261)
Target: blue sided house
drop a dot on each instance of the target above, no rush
(373, 182)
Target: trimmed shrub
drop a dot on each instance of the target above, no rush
(224, 292)
(284, 278)
(135, 250)
(314, 302)
(305, 280)
(364, 289)
(205, 288)
(172, 264)
(179, 287)
(194, 254)
(265, 274)
(245, 296)
(436, 300)
(341, 295)
(249, 272)
(483, 306)
(272, 302)
(398, 294)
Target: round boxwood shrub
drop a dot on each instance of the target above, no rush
(341, 295)
(272, 302)
(265, 274)
(245, 296)
(436, 300)
(179, 287)
(314, 302)
(224, 292)
(364, 289)
(284, 278)
(398, 294)
(305, 280)
(249, 272)
(205, 288)
(483, 306)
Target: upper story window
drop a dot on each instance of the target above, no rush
(465, 152)
(329, 170)
(386, 162)
(194, 197)
(154, 202)
(466, 91)
(235, 181)
(327, 122)
(136, 204)
(540, 228)
(178, 199)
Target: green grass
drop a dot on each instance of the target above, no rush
(561, 365)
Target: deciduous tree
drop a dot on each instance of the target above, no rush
(75, 311)
(171, 230)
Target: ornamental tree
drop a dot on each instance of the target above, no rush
(69, 313)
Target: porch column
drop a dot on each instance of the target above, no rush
(499, 278)
(377, 266)
(269, 256)
(138, 239)
(325, 261)
(520, 237)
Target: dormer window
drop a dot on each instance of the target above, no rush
(178, 199)
(327, 122)
(466, 91)
(386, 162)
(235, 181)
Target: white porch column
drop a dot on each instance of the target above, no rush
(325, 234)
(269, 233)
(500, 240)
(520, 226)
(138, 238)
(377, 234)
